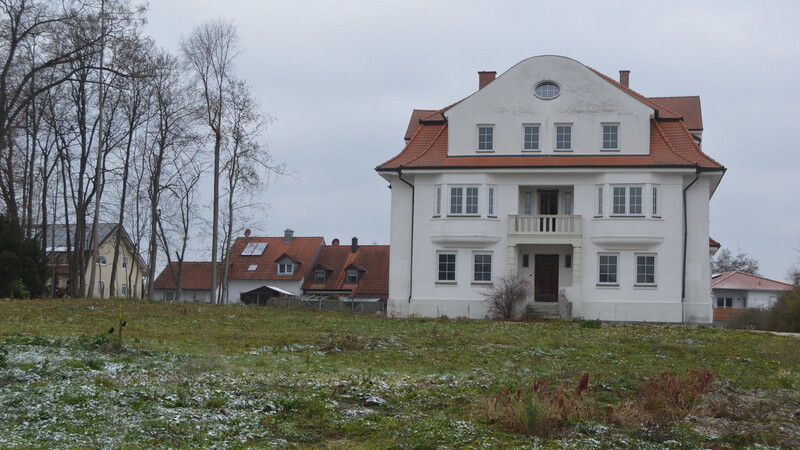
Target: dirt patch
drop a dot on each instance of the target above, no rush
(749, 416)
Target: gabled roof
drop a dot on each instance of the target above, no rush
(196, 276)
(301, 250)
(372, 261)
(746, 282)
(57, 235)
(671, 142)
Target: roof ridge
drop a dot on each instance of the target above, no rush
(734, 272)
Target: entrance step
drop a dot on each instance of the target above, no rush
(541, 310)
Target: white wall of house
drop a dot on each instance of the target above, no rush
(187, 295)
(746, 299)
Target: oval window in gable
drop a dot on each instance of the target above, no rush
(547, 90)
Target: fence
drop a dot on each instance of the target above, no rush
(327, 304)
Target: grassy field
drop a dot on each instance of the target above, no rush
(235, 376)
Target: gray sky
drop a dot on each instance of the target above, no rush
(341, 78)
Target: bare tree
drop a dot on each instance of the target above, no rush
(209, 51)
(725, 261)
(506, 295)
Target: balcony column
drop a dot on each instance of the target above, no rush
(577, 264)
(511, 270)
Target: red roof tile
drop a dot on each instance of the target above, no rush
(713, 243)
(302, 250)
(687, 107)
(196, 275)
(372, 261)
(671, 143)
(745, 281)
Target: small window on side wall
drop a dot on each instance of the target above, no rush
(564, 136)
(485, 138)
(607, 268)
(610, 136)
(531, 140)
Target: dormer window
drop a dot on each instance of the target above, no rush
(286, 268)
(352, 276)
(320, 276)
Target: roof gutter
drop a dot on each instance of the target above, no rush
(685, 240)
(411, 258)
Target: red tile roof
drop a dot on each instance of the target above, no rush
(302, 250)
(745, 281)
(371, 260)
(687, 107)
(196, 275)
(671, 143)
(713, 243)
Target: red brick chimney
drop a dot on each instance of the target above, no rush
(485, 78)
(624, 77)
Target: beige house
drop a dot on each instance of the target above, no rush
(130, 267)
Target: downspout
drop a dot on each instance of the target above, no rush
(411, 259)
(685, 240)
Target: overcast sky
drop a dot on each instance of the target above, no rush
(341, 79)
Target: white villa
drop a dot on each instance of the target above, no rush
(595, 194)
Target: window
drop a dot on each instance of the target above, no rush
(446, 269)
(547, 90)
(531, 141)
(607, 268)
(123, 290)
(124, 262)
(352, 276)
(646, 269)
(169, 295)
(485, 138)
(101, 260)
(482, 268)
(285, 269)
(724, 302)
(102, 285)
(656, 211)
(437, 202)
(564, 137)
(599, 209)
(464, 200)
(320, 276)
(254, 249)
(527, 203)
(568, 203)
(610, 137)
(490, 201)
(252, 267)
(627, 200)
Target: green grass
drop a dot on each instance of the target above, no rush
(200, 375)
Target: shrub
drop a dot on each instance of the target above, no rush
(784, 315)
(669, 396)
(506, 295)
(590, 324)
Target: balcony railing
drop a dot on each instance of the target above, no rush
(544, 225)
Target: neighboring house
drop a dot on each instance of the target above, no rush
(565, 177)
(130, 266)
(195, 283)
(264, 267)
(732, 291)
(354, 271)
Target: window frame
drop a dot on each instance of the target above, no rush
(603, 142)
(316, 280)
(655, 200)
(536, 145)
(282, 268)
(437, 200)
(599, 200)
(485, 276)
(558, 141)
(638, 266)
(464, 200)
(439, 272)
(485, 138)
(491, 200)
(727, 302)
(351, 276)
(627, 204)
(600, 272)
(252, 267)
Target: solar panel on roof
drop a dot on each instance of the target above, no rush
(254, 249)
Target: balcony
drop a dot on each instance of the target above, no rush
(544, 226)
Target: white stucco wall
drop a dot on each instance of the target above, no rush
(586, 101)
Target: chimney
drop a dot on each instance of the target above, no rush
(335, 242)
(288, 235)
(354, 245)
(485, 78)
(247, 233)
(624, 77)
